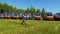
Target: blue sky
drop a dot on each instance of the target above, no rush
(49, 5)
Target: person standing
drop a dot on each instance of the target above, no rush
(24, 19)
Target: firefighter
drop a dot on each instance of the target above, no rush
(23, 20)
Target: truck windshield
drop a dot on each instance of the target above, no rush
(37, 14)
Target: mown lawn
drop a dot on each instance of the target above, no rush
(32, 27)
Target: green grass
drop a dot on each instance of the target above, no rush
(32, 27)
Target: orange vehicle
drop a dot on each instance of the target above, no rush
(48, 16)
(1, 15)
(37, 16)
(7, 16)
(59, 17)
(16, 16)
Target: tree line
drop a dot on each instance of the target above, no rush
(7, 8)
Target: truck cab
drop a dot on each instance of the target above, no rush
(11, 15)
(48, 16)
(37, 16)
(16, 16)
(1, 16)
(7, 16)
(57, 16)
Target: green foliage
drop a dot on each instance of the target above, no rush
(43, 12)
(27, 10)
(0, 6)
(5, 7)
(32, 10)
(38, 10)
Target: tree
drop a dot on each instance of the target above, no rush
(10, 9)
(32, 10)
(2, 11)
(27, 10)
(15, 10)
(1, 6)
(5, 7)
(43, 12)
(19, 10)
(38, 10)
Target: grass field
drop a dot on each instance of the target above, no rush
(32, 27)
